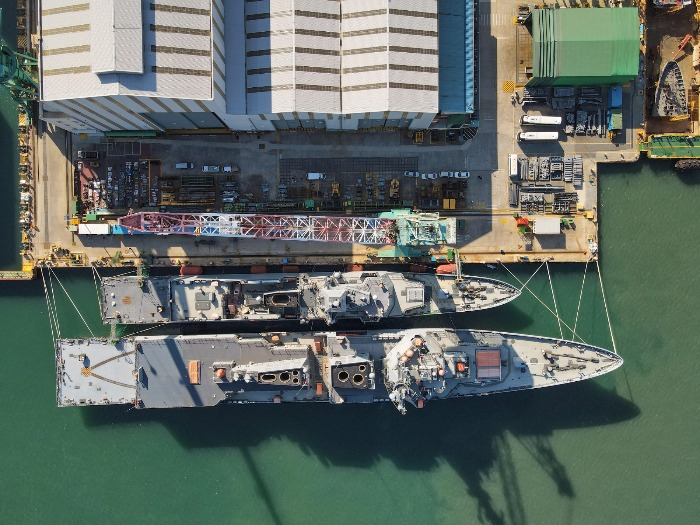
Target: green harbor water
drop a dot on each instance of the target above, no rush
(620, 449)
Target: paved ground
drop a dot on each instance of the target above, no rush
(489, 232)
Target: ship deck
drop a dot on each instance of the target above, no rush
(94, 372)
(235, 297)
(180, 371)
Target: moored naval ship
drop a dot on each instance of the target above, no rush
(365, 295)
(404, 367)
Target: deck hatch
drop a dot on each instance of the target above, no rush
(194, 369)
(488, 364)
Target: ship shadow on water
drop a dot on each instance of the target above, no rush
(470, 435)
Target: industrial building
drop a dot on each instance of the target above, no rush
(584, 47)
(116, 66)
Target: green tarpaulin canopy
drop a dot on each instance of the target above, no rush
(584, 47)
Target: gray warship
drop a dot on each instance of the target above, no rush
(407, 368)
(368, 296)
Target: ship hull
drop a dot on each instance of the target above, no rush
(329, 297)
(405, 367)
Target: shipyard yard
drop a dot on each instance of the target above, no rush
(547, 211)
(278, 204)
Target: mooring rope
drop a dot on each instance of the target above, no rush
(48, 305)
(144, 330)
(526, 282)
(52, 292)
(543, 303)
(71, 302)
(96, 276)
(605, 302)
(554, 299)
(580, 297)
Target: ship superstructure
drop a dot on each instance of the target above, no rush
(404, 367)
(368, 296)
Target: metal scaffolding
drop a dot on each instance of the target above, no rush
(359, 230)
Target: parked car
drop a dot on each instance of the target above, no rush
(429, 176)
(210, 169)
(461, 174)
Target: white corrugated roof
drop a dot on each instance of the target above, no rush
(547, 226)
(294, 61)
(293, 56)
(106, 49)
(116, 41)
(390, 60)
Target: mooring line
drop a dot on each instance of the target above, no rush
(48, 305)
(530, 279)
(580, 297)
(554, 299)
(95, 276)
(52, 291)
(71, 302)
(605, 302)
(543, 304)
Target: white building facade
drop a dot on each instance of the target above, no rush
(155, 65)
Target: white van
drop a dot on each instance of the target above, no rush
(315, 176)
(539, 120)
(210, 169)
(184, 165)
(532, 136)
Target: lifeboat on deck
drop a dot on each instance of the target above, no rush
(191, 270)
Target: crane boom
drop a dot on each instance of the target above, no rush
(359, 230)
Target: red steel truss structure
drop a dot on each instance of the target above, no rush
(359, 230)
